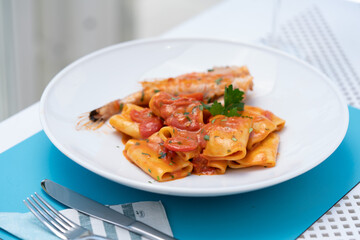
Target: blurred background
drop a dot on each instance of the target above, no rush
(38, 38)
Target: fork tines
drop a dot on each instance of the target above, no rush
(49, 216)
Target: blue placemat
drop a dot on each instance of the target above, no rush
(280, 212)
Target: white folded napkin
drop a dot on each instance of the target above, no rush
(27, 226)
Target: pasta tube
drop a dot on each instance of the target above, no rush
(123, 123)
(263, 154)
(156, 164)
(226, 138)
(279, 122)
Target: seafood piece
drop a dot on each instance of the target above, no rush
(211, 84)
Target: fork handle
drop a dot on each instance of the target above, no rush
(92, 237)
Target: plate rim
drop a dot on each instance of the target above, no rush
(183, 191)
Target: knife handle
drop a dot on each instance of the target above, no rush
(148, 232)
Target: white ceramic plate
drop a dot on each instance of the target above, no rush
(315, 113)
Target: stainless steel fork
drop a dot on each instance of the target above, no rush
(56, 222)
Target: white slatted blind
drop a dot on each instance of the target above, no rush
(39, 38)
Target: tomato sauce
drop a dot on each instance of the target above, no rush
(201, 166)
(183, 141)
(149, 123)
(183, 112)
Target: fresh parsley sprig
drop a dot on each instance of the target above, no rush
(232, 103)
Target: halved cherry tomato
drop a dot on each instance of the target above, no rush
(181, 144)
(149, 123)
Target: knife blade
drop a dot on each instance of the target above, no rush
(90, 207)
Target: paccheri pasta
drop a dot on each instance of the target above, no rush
(175, 135)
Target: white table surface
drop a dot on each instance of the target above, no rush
(240, 20)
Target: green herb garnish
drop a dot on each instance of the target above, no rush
(162, 155)
(233, 103)
(218, 81)
(206, 137)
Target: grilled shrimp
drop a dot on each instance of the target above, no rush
(211, 83)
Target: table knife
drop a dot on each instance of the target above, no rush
(90, 207)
